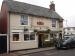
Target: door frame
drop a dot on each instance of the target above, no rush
(40, 38)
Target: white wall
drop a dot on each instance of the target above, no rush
(15, 25)
(21, 44)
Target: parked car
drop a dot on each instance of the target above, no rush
(66, 42)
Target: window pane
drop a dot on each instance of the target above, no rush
(26, 36)
(53, 23)
(60, 24)
(51, 35)
(32, 36)
(15, 37)
(24, 23)
(24, 20)
(46, 38)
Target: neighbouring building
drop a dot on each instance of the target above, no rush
(69, 31)
(29, 26)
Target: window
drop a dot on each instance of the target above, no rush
(60, 24)
(53, 23)
(32, 36)
(51, 35)
(46, 37)
(26, 36)
(24, 20)
(15, 37)
(29, 37)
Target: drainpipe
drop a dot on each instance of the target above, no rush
(8, 33)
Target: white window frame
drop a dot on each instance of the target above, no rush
(12, 36)
(28, 20)
(34, 35)
(29, 37)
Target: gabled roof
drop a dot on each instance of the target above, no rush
(20, 7)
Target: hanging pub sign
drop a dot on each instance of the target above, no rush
(40, 23)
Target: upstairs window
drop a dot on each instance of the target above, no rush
(53, 23)
(24, 20)
(60, 24)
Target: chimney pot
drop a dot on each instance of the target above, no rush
(52, 6)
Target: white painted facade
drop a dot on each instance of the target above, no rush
(15, 26)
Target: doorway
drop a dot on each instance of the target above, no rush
(3, 44)
(40, 40)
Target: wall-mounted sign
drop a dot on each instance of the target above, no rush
(40, 23)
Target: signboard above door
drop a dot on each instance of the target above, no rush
(40, 23)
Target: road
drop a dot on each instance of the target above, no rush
(70, 52)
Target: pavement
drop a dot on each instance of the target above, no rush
(54, 52)
(25, 52)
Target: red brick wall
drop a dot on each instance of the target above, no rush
(4, 18)
(0, 22)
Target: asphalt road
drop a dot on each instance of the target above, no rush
(54, 52)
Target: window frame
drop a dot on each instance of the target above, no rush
(24, 37)
(48, 38)
(32, 34)
(60, 24)
(29, 37)
(12, 37)
(54, 23)
(23, 19)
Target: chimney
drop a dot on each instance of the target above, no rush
(52, 6)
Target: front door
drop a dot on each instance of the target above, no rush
(40, 40)
(3, 44)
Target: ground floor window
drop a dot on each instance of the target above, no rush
(26, 36)
(30, 36)
(46, 37)
(51, 35)
(15, 37)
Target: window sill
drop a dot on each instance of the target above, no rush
(15, 41)
(24, 25)
(29, 40)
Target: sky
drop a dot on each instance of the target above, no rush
(65, 8)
